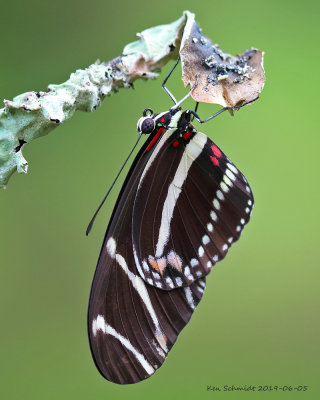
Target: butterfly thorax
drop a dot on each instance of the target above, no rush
(175, 120)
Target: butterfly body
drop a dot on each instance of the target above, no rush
(181, 207)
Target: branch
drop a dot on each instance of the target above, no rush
(222, 79)
(34, 114)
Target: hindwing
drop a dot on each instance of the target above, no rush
(191, 205)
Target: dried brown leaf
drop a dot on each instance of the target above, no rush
(223, 79)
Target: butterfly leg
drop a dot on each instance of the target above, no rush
(187, 95)
(195, 110)
(165, 81)
(196, 116)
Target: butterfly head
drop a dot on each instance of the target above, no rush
(151, 121)
(146, 123)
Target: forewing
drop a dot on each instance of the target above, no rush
(132, 325)
(191, 205)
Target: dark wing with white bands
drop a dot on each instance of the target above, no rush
(192, 203)
(132, 325)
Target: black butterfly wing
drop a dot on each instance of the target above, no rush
(197, 205)
(131, 324)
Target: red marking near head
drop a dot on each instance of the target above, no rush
(156, 137)
(175, 143)
(216, 151)
(187, 135)
(162, 120)
(215, 161)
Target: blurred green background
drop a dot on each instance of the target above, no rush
(258, 322)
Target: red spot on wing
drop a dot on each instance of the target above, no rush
(175, 143)
(216, 151)
(162, 120)
(215, 161)
(156, 137)
(187, 135)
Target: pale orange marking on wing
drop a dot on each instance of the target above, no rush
(154, 264)
(162, 340)
(159, 265)
(175, 261)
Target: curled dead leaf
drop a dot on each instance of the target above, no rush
(223, 79)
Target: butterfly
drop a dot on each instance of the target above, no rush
(181, 207)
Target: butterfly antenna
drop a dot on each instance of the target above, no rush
(105, 197)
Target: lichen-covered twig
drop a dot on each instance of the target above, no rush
(34, 114)
(223, 80)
